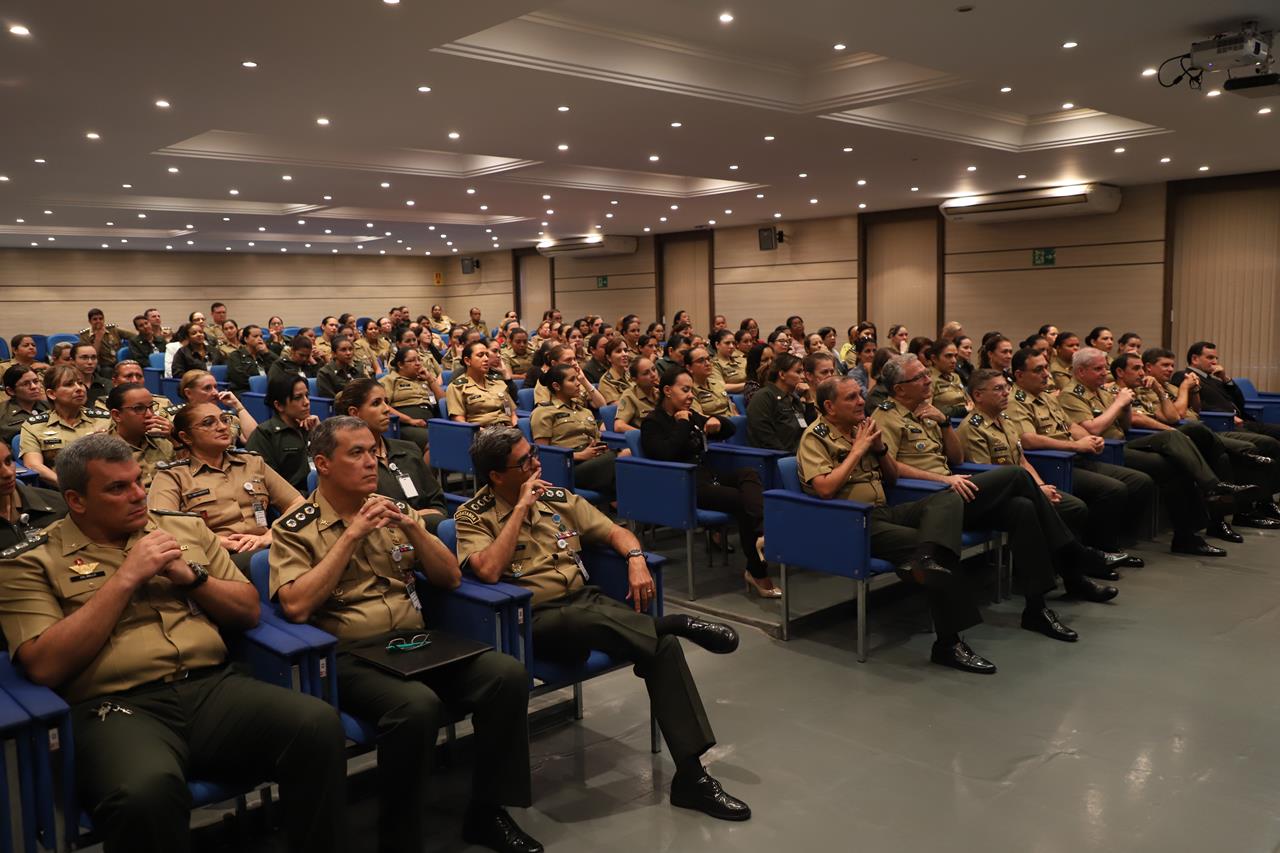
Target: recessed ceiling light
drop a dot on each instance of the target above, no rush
(770, 138)
(971, 169)
(862, 182)
(662, 219)
(562, 108)
(284, 250)
(286, 177)
(92, 135)
(653, 158)
(777, 216)
(728, 211)
(234, 192)
(162, 104)
(1148, 72)
(677, 124)
(328, 198)
(109, 223)
(142, 216)
(1004, 90)
(386, 233)
(189, 226)
(803, 175)
(4, 179)
(51, 239)
(368, 225)
(1165, 159)
(726, 18)
(1119, 150)
(322, 121)
(328, 230)
(484, 207)
(226, 248)
(386, 185)
(448, 242)
(733, 167)
(813, 201)
(1213, 93)
(915, 189)
(550, 212)
(40, 160)
(335, 251)
(711, 222)
(20, 221)
(647, 229)
(847, 149)
(249, 63)
(392, 2)
(759, 195)
(302, 222)
(126, 186)
(1262, 111)
(35, 244)
(424, 89)
(613, 201)
(19, 30)
(562, 147)
(546, 197)
(839, 46)
(1204, 168)
(597, 226)
(251, 243)
(1068, 106)
(262, 228)
(105, 246)
(48, 213)
(544, 224)
(173, 170)
(675, 207)
(361, 247)
(453, 134)
(862, 206)
(608, 216)
(189, 243)
(1022, 177)
(1070, 44)
(410, 203)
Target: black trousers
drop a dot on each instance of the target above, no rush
(1108, 500)
(740, 494)
(493, 687)
(1177, 474)
(132, 769)
(898, 532)
(418, 435)
(597, 474)
(1139, 488)
(570, 627)
(1266, 477)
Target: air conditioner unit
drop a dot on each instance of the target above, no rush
(590, 246)
(1048, 203)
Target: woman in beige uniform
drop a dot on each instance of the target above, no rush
(640, 399)
(617, 379)
(47, 433)
(565, 422)
(230, 489)
(412, 393)
(200, 386)
(948, 389)
(478, 396)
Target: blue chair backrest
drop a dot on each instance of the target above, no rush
(258, 384)
(789, 474)
(156, 359)
(322, 407)
(739, 400)
(739, 436)
(260, 574)
(290, 331)
(313, 386)
(445, 376)
(1247, 388)
(123, 354)
(447, 534)
(633, 443)
(313, 479)
(608, 414)
(169, 388)
(54, 340)
(524, 399)
(14, 444)
(526, 427)
(42, 347)
(219, 372)
(361, 322)
(4, 349)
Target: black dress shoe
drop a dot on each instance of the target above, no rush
(1086, 590)
(1197, 547)
(494, 828)
(1131, 562)
(1103, 574)
(1045, 621)
(1267, 509)
(704, 794)
(1222, 530)
(959, 656)
(1228, 490)
(716, 637)
(923, 570)
(1258, 522)
(1256, 458)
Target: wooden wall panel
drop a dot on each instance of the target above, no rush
(1226, 279)
(902, 275)
(686, 282)
(535, 289)
(631, 290)
(814, 273)
(490, 288)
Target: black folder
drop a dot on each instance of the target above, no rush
(441, 649)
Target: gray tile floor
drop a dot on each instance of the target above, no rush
(1156, 732)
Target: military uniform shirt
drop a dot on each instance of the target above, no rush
(948, 390)
(372, 355)
(563, 424)
(159, 634)
(990, 442)
(108, 346)
(402, 391)
(1172, 391)
(47, 434)
(372, 595)
(284, 449)
(1061, 372)
(1148, 401)
(520, 365)
(1041, 414)
(241, 364)
(612, 388)
(486, 404)
(227, 497)
(542, 394)
(634, 407)
(732, 370)
(711, 399)
(1081, 404)
(153, 452)
(442, 326)
(915, 441)
(822, 449)
(333, 377)
(547, 558)
(13, 416)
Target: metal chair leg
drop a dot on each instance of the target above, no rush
(862, 620)
(577, 700)
(785, 601)
(688, 561)
(999, 593)
(655, 738)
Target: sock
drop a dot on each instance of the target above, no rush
(673, 624)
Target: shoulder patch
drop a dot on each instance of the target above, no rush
(820, 430)
(303, 516)
(480, 504)
(240, 451)
(173, 410)
(172, 463)
(23, 547)
(1020, 395)
(556, 495)
(463, 514)
(174, 512)
(975, 419)
(460, 381)
(41, 418)
(885, 406)
(1079, 390)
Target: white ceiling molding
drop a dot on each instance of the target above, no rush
(225, 207)
(104, 232)
(259, 148)
(626, 181)
(422, 217)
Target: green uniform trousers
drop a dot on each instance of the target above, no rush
(597, 474)
(570, 627)
(220, 726)
(1009, 500)
(408, 714)
(898, 531)
(1179, 471)
(1267, 477)
(418, 435)
(1139, 487)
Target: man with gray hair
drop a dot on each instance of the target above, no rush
(1185, 480)
(924, 445)
(119, 610)
(521, 529)
(344, 561)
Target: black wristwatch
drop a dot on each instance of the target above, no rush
(879, 453)
(202, 576)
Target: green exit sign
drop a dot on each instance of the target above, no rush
(1043, 257)
(602, 281)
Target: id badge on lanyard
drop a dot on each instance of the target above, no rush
(406, 484)
(398, 552)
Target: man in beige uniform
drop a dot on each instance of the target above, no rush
(521, 529)
(120, 610)
(104, 337)
(133, 419)
(344, 561)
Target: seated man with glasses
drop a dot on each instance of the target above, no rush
(344, 562)
(522, 530)
(921, 440)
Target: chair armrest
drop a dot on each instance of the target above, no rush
(829, 536)
(1112, 451)
(974, 468)
(614, 440)
(1219, 421)
(908, 489)
(1265, 409)
(1055, 467)
(1138, 432)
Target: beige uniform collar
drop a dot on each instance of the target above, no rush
(228, 459)
(74, 539)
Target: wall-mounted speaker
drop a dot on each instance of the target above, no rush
(768, 238)
(470, 265)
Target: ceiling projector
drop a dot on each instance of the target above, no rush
(1235, 50)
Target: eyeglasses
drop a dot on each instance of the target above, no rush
(526, 462)
(212, 421)
(400, 644)
(704, 360)
(137, 410)
(917, 378)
